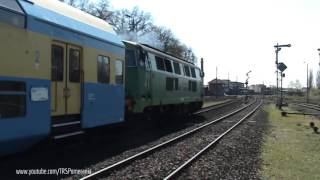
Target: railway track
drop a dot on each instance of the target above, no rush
(217, 106)
(247, 110)
(310, 106)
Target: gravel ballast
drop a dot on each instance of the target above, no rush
(237, 156)
(162, 162)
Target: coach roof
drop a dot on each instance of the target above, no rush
(63, 15)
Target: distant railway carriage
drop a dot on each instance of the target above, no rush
(61, 70)
(157, 81)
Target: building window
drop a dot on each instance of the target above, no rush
(74, 65)
(186, 71)
(160, 63)
(119, 72)
(130, 58)
(168, 65)
(193, 72)
(103, 69)
(176, 67)
(57, 63)
(12, 99)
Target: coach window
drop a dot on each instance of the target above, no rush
(130, 58)
(193, 72)
(168, 65)
(12, 99)
(186, 71)
(103, 69)
(56, 63)
(176, 68)
(160, 63)
(119, 72)
(74, 65)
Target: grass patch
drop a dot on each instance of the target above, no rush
(291, 150)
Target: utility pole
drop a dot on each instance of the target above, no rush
(278, 48)
(307, 100)
(281, 98)
(247, 82)
(228, 83)
(217, 82)
(319, 55)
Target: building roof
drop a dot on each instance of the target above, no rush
(62, 15)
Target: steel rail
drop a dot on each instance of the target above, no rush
(216, 106)
(309, 106)
(184, 165)
(152, 149)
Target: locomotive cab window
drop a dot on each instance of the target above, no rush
(168, 65)
(12, 99)
(193, 72)
(176, 67)
(103, 69)
(119, 72)
(74, 65)
(160, 63)
(186, 71)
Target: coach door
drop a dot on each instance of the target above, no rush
(66, 79)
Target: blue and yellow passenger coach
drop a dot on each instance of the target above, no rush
(58, 67)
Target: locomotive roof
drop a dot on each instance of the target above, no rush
(60, 14)
(158, 51)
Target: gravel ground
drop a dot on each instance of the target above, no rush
(237, 156)
(112, 145)
(162, 162)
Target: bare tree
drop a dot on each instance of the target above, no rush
(171, 44)
(133, 21)
(70, 2)
(84, 5)
(101, 10)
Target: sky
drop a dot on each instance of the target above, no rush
(239, 36)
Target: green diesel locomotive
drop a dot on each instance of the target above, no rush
(157, 82)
